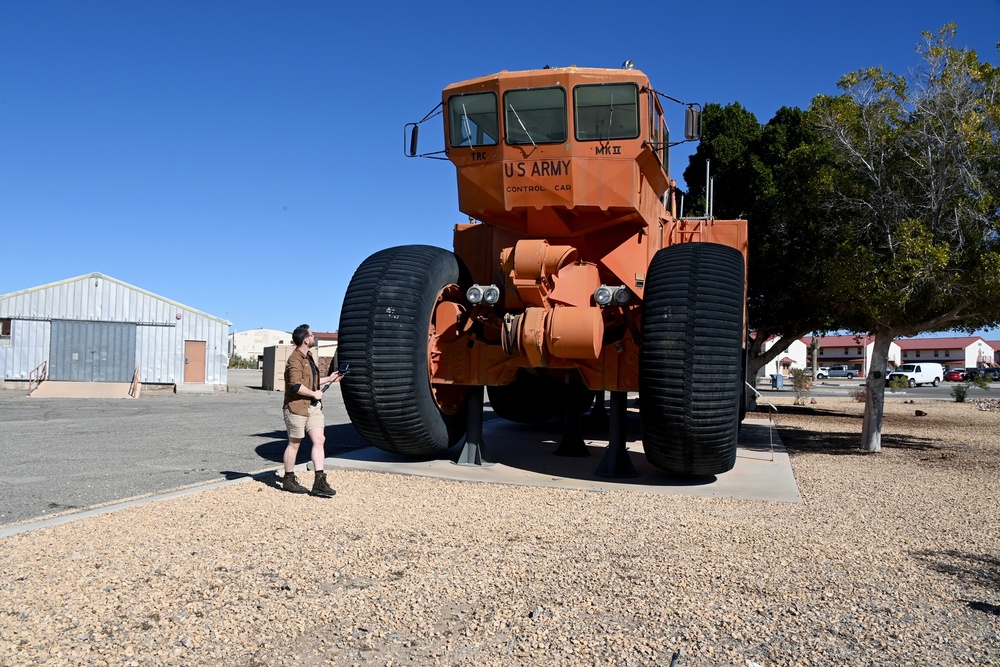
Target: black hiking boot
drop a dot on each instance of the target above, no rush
(321, 487)
(289, 483)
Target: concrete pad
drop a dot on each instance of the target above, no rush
(523, 455)
(192, 388)
(65, 389)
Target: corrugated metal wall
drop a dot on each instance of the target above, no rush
(91, 351)
(17, 361)
(159, 333)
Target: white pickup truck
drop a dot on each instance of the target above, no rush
(918, 374)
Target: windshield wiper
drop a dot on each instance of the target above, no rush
(466, 126)
(610, 116)
(522, 125)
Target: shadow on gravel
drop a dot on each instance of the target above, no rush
(981, 570)
(801, 440)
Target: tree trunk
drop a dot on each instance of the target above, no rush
(756, 359)
(871, 431)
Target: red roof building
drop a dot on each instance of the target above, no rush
(956, 352)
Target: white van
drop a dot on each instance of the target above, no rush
(918, 374)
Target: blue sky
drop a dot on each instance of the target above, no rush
(244, 158)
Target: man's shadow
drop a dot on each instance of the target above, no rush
(340, 438)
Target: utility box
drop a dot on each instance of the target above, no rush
(275, 358)
(273, 375)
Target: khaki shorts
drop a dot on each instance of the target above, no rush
(299, 425)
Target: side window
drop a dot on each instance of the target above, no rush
(654, 122)
(5, 331)
(665, 138)
(606, 111)
(472, 119)
(535, 116)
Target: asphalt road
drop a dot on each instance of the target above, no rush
(844, 387)
(64, 455)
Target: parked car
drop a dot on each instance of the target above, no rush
(822, 372)
(954, 375)
(989, 374)
(918, 374)
(841, 372)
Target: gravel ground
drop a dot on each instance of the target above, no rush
(891, 559)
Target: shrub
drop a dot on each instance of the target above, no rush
(236, 361)
(898, 383)
(961, 391)
(860, 395)
(802, 384)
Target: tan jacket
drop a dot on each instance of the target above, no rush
(300, 369)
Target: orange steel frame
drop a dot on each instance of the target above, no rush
(555, 221)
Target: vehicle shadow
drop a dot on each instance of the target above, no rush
(531, 448)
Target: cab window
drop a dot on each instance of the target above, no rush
(472, 119)
(535, 116)
(606, 111)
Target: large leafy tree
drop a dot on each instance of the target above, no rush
(778, 176)
(917, 199)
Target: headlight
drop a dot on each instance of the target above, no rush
(474, 294)
(491, 294)
(603, 295)
(622, 296)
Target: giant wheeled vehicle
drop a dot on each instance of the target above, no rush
(574, 275)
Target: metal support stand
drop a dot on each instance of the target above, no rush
(474, 451)
(572, 441)
(598, 417)
(616, 462)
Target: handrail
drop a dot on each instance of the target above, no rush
(38, 374)
(770, 415)
(133, 389)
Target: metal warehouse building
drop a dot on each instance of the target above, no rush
(94, 328)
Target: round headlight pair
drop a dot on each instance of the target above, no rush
(489, 294)
(605, 295)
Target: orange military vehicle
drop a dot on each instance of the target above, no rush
(574, 276)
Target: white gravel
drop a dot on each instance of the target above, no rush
(890, 560)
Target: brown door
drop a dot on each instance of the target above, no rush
(194, 361)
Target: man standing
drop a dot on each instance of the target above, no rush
(303, 412)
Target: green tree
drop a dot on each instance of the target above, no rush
(917, 198)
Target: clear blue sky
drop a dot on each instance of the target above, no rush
(243, 158)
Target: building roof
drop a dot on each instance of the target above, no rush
(124, 284)
(955, 343)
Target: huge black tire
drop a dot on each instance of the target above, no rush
(384, 326)
(691, 360)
